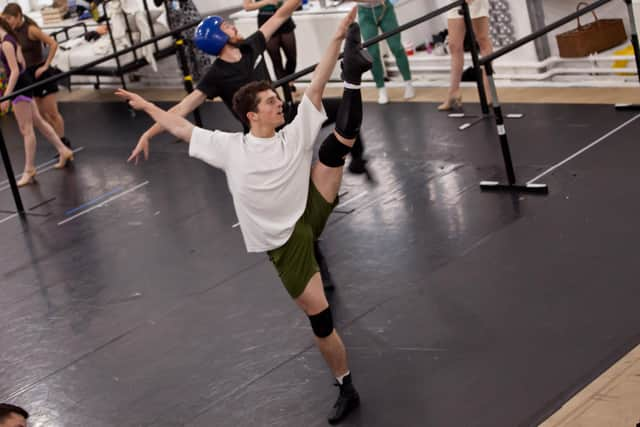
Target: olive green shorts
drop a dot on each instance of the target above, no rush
(295, 261)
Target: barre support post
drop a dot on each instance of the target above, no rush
(504, 145)
(12, 180)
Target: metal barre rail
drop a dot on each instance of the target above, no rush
(99, 61)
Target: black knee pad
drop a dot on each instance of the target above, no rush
(322, 323)
(332, 152)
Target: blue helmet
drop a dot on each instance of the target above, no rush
(208, 37)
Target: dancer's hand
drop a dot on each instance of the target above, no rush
(341, 32)
(4, 106)
(141, 148)
(135, 101)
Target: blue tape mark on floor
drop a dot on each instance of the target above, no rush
(94, 201)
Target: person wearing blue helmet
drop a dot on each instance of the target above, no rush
(209, 37)
(240, 61)
(286, 215)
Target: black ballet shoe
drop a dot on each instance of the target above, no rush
(356, 60)
(348, 400)
(357, 165)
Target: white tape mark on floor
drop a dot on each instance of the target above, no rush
(593, 144)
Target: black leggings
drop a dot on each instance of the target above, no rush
(286, 42)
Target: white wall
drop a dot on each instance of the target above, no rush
(208, 7)
(522, 26)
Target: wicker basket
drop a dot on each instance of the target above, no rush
(599, 35)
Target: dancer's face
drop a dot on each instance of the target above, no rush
(13, 21)
(270, 112)
(229, 29)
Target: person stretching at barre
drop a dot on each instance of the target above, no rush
(31, 39)
(25, 108)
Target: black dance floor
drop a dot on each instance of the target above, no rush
(127, 297)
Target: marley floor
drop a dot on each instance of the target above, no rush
(127, 297)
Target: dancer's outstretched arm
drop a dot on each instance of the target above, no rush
(175, 124)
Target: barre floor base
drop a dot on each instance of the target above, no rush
(130, 300)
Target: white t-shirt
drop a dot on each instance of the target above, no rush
(268, 177)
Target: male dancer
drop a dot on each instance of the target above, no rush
(284, 217)
(239, 62)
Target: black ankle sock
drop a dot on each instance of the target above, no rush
(346, 380)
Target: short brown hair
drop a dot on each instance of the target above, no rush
(246, 99)
(7, 409)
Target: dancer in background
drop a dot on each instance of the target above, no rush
(479, 11)
(32, 41)
(380, 14)
(25, 108)
(283, 41)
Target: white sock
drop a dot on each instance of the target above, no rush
(351, 86)
(409, 91)
(383, 98)
(341, 377)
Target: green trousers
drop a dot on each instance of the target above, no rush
(384, 17)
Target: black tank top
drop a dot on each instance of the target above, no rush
(31, 49)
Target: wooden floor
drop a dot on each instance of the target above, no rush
(610, 400)
(431, 94)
